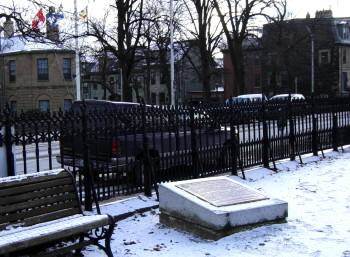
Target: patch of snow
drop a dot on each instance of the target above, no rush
(32, 175)
(129, 205)
(318, 194)
(19, 44)
(22, 235)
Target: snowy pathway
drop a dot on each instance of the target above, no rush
(318, 194)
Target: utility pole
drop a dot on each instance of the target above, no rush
(121, 84)
(2, 75)
(172, 88)
(77, 58)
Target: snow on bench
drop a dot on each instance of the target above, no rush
(43, 208)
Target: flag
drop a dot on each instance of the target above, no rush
(54, 17)
(83, 14)
(38, 21)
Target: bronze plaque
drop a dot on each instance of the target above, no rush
(222, 192)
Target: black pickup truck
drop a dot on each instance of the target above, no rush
(116, 134)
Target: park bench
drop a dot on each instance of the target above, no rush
(40, 215)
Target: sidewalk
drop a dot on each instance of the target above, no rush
(124, 208)
(318, 195)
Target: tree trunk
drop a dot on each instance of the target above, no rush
(237, 62)
(127, 91)
(205, 71)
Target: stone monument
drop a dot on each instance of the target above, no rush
(215, 207)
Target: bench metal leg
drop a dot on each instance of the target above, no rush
(104, 234)
(81, 241)
(108, 240)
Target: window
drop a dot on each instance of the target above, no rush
(344, 30)
(163, 78)
(344, 81)
(154, 98)
(12, 71)
(324, 57)
(44, 105)
(67, 69)
(67, 104)
(153, 78)
(94, 86)
(257, 81)
(269, 78)
(43, 69)
(13, 106)
(344, 51)
(161, 98)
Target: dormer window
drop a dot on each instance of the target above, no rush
(344, 30)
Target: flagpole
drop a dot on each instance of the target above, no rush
(77, 59)
(172, 88)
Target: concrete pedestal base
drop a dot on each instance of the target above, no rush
(197, 213)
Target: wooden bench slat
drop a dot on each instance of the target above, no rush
(30, 187)
(32, 178)
(43, 209)
(49, 233)
(19, 217)
(37, 203)
(35, 194)
(51, 216)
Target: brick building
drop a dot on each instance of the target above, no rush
(252, 52)
(287, 55)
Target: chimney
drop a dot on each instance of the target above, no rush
(52, 30)
(324, 14)
(8, 28)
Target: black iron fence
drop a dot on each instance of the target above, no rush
(121, 150)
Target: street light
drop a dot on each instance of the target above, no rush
(312, 59)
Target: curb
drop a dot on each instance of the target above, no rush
(126, 215)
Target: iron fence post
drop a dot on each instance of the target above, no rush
(291, 132)
(234, 147)
(314, 130)
(335, 142)
(8, 142)
(194, 150)
(87, 173)
(146, 158)
(265, 140)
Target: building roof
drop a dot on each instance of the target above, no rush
(18, 44)
(339, 27)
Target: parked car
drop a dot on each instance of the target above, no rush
(249, 98)
(121, 145)
(284, 97)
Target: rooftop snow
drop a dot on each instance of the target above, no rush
(19, 44)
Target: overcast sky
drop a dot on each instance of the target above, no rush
(299, 8)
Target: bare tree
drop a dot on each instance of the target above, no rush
(121, 36)
(21, 26)
(207, 32)
(237, 16)
(156, 39)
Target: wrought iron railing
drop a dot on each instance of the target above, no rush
(128, 149)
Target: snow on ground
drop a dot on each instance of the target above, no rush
(318, 225)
